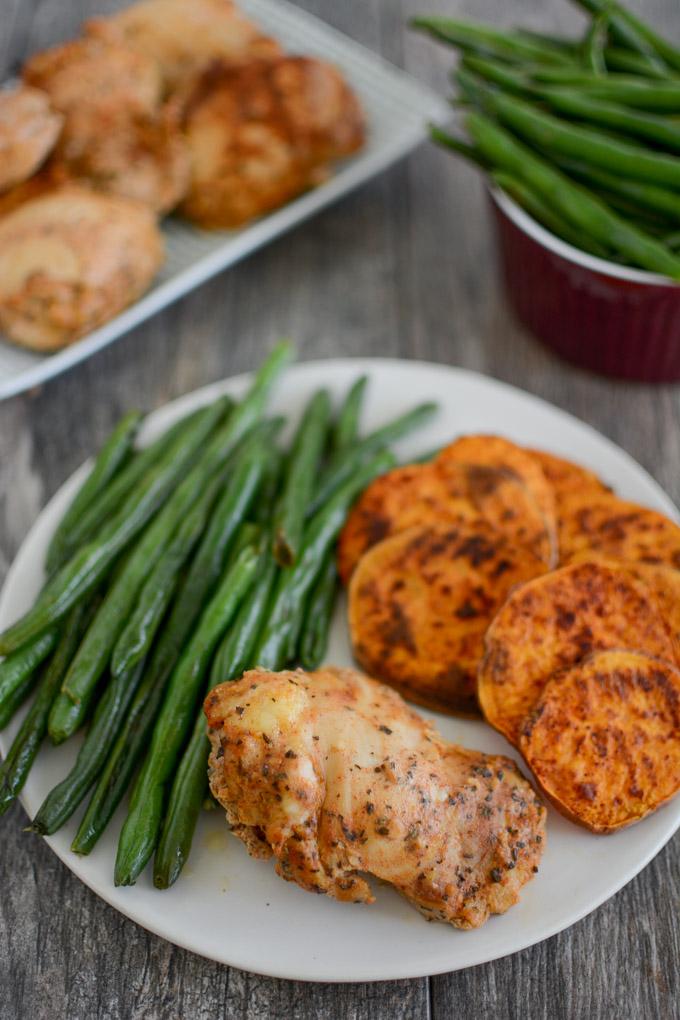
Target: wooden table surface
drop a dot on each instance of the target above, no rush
(403, 267)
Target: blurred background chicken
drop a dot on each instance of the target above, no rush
(261, 134)
(185, 36)
(173, 105)
(70, 260)
(336, 776)
(29, 128)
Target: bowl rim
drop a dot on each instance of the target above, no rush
(567, 251)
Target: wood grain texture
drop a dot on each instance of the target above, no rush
(403, 267)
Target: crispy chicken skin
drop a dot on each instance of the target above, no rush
(29, 128)
(184, 36)
(124, 152)
(334, 775)
(262, 134)
(95, 72)
(69, 261)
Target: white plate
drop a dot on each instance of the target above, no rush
(397, 109)
(234, 909)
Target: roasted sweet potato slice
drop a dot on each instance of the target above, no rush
(554, 622)
(421, 601)
(612, 527)
(603, 740)
(508, 487)
(664, 583)
(661, 581)
(568, 479)
(415, 494)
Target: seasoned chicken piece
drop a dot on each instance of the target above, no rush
(184, 36)
(69, 261)
(95, 72)
(335, 776)
(262, 134)
(124, 152)
(29, 127)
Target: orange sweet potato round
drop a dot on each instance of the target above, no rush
(421, 601)
(611, 527)
(508, 487)
(603, 740)
(400, 499)
(568, 479)
(557, 620)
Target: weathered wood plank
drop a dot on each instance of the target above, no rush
(404, 267)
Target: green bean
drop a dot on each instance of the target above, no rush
(189, 789)
(556, 137)
(20, 666)
(540, 210)
(89, 565)
(672, 241)
(576, 204)
(346, 427)
(619, 59)
(660, 201)
(319, 615)
(236, 652)
(490, 41)
(595, 42)
(133, 474)
(94, 654)
(294, 584)
(231, 510)
(660, 96)
(661, 130)
(205, 570)
(505, 77)
(108, 463)
(261, 512)
(26, 744)
(140, 831)
(154, 598)
(246, 414)
(300, 473)
(569, 47)
(63, 800)
(464, 149)
(15, 699)
(343, 466)
(634, 33)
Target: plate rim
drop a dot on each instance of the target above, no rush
(368, 365)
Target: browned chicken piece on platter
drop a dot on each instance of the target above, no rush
(336, 777)
(69, 261)
(184, 37)
(124, 152)
(29, 128)
(95, 72)
(262, 134)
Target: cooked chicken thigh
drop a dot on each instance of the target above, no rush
(334, 775)
(262, 134)
(184, 36)
(95, 72)
(124, 152)
(70, 260)
(29, 127)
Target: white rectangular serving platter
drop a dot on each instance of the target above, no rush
(397, 110)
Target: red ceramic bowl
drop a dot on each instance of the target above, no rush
(608, 318)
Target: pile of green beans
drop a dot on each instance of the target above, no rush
(177, 567)
(582, 133)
